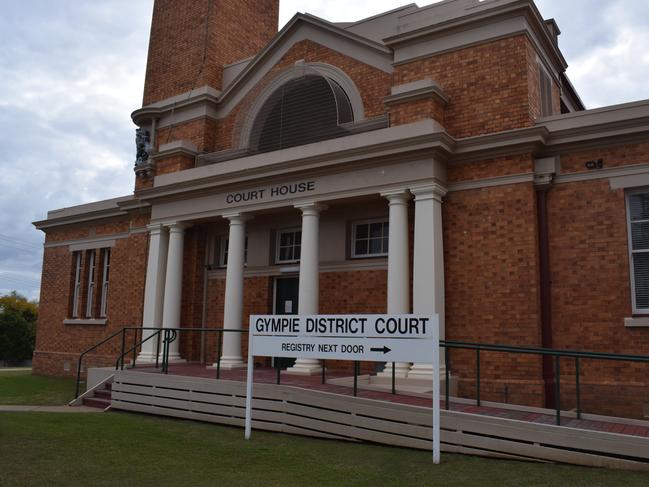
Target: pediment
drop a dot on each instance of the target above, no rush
(304, 27)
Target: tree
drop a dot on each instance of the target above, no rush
(17, 327)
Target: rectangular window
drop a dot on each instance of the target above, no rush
(638, 229)
(104, 283)
(289, 244)
(370, 238)
(545, 92)
(223, 251)
(76, 290)
(91, 283)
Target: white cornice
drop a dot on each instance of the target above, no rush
(492, 182)
(606, 127)
(482, 15)
(424, 135)
(606, 173)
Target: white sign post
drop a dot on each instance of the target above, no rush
(371, 338)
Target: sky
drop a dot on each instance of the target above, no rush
(72, 71)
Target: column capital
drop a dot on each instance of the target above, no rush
(397, 196)
(155, 228)
(237, 218)
(432, 191)
(311, 207)
(177, 227)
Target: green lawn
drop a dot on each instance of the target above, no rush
(129, 449)
(21, 387)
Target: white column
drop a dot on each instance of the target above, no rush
(154, 289)
(309, 288)
(233, 309)
(428, 274)
(398, 267)
(173, 285)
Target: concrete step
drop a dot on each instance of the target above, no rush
(96, 402)
(103, 394)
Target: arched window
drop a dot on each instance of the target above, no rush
(304, 110)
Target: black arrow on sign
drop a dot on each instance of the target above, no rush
(384, 349)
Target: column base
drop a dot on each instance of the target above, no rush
(231, 363)
(149, 358)
(401, 370)
(425, 371)
(305, 367)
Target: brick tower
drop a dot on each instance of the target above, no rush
(191, 41)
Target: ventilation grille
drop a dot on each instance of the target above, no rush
(304, 110)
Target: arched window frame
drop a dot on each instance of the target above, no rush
(294, 72)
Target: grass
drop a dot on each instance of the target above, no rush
(21, 387)
(130, 449)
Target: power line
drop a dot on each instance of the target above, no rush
(26, 280)
(17, 241)
(19, 282)
(3, 235)
(19, 248)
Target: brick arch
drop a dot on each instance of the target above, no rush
(245, 122)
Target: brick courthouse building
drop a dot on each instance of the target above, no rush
(431, 159)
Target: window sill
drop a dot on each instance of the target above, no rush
(90, 322)
(365, 257)
(637, 322)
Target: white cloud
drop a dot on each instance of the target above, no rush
(618, 71)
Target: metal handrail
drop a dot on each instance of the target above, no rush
(169, 335)
(91, 349)
(544, 351)
(134, 348)
(550, 352)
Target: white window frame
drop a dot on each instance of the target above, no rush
(224, 243)
(353, 239)
(104, 282)
(92, 263)
(636, 310)
(77, 284)
(277, 245)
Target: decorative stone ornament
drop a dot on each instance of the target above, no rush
(143, 164)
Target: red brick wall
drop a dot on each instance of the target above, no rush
(491, 268)
(490, 168)
(412, 111)
(257, 298)
(591, 294)
(488, 85)
(614, 156)
(184, 54)
(57, 343)
(202, 132)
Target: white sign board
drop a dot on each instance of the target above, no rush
(371, 338)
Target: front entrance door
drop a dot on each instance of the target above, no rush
(286, 300)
